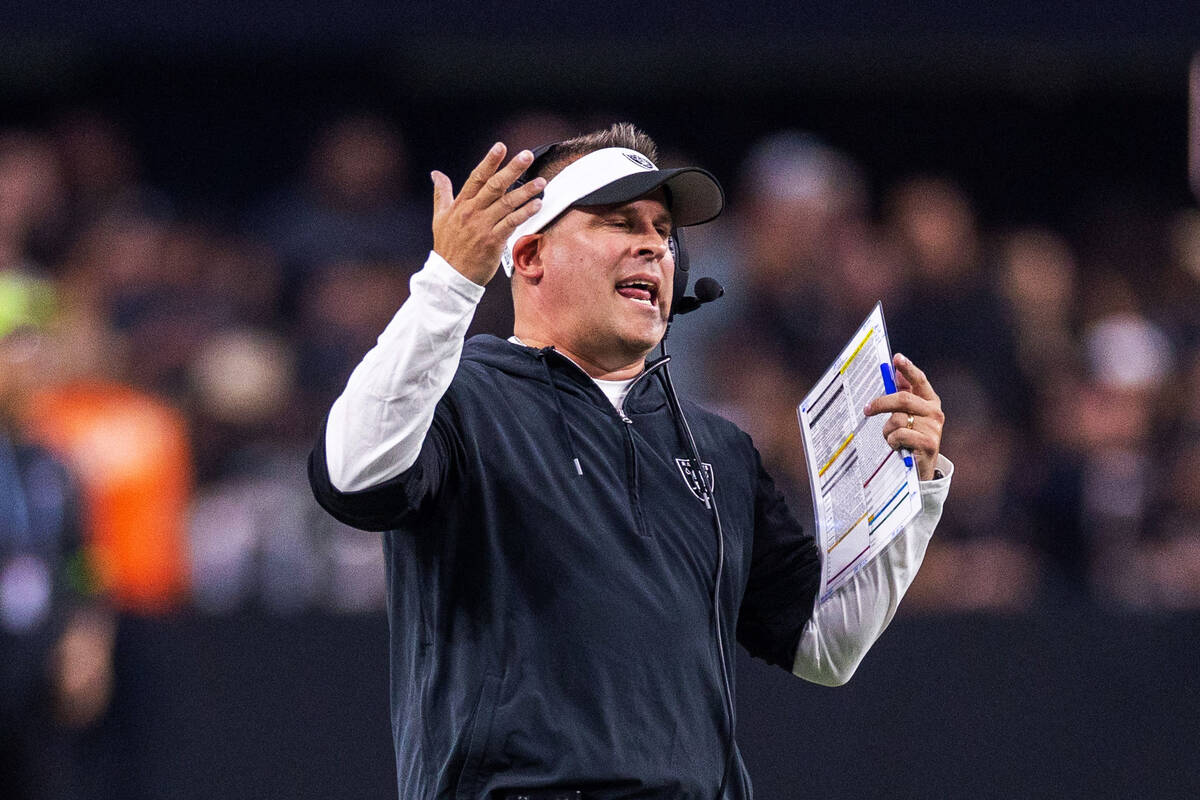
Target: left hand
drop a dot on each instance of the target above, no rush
(914, 395)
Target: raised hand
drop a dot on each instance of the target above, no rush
(469, 230)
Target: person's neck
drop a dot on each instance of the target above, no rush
(598, 369)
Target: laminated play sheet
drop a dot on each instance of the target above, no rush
(864, 492)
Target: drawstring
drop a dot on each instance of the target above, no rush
(562, 418)
(689, 441)
(681, 426)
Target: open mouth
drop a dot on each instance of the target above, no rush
(639, 289)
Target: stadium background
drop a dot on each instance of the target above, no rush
(225, 205)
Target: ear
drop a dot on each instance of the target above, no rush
(527, 257)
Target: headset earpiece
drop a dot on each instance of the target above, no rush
(680, 256)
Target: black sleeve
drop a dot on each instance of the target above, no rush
(785, 571)
(399, 500)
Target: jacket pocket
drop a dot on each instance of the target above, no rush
(480, 729)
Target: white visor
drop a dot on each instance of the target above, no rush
(617, 175)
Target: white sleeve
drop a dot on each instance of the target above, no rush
(377, 425)
(845, 626)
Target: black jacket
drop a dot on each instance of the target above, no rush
(552, 628)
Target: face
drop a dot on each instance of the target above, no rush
(22, 367)
(605, 282)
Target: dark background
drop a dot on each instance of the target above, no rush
(1069, 704)
(1032, 107)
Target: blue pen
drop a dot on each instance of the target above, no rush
(889, 386)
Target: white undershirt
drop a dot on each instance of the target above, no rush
(615, 391)
(376, 428)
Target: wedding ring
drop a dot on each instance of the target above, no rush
(911, 420)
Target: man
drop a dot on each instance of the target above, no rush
(56, 632)
(552, 569)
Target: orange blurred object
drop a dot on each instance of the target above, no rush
(130, 453)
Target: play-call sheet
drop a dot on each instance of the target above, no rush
(864, 492)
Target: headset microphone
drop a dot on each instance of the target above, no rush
(707, 290)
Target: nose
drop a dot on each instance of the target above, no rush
(651, 245)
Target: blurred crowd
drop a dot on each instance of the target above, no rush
(162, 375)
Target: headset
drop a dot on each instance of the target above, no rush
(707, 290)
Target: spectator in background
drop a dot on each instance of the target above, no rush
(984, 558)
(141, 275)
(936, 233)
(129, 452)
(31, 202)
(798, 199)
(1039, 280)
(350, 204)
(1130, 361)
(242, 398)
(56, 635)
(1178, 301)
(257, 535)
(102, 170)
(758, 389)
(1167, 570)
(339, 315)
(526, 130)
(1097, 478)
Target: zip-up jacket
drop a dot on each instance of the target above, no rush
(551, 564)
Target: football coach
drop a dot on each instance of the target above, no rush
(572, 550)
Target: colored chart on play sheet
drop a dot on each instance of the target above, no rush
(864, 492)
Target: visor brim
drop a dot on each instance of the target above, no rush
(694, 195)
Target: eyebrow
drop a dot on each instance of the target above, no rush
(665, 218)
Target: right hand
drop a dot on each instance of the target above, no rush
(469, 231)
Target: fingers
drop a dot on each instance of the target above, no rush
(469, 230)
(516, 204)
(509, 222)
(488, 180)
(483, 170)
(904, 402)
(495, 186)
(488, 183)
(914, 401)
(899, 422)
(923, 445)
(910, 438)
(916, 378)
(443, 192)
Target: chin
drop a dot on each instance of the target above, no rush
(643, 341)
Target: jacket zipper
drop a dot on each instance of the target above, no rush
(631, 472)
(631, 465)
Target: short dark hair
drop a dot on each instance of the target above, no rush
(620, 134)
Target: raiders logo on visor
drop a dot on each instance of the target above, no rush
(640, 160)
